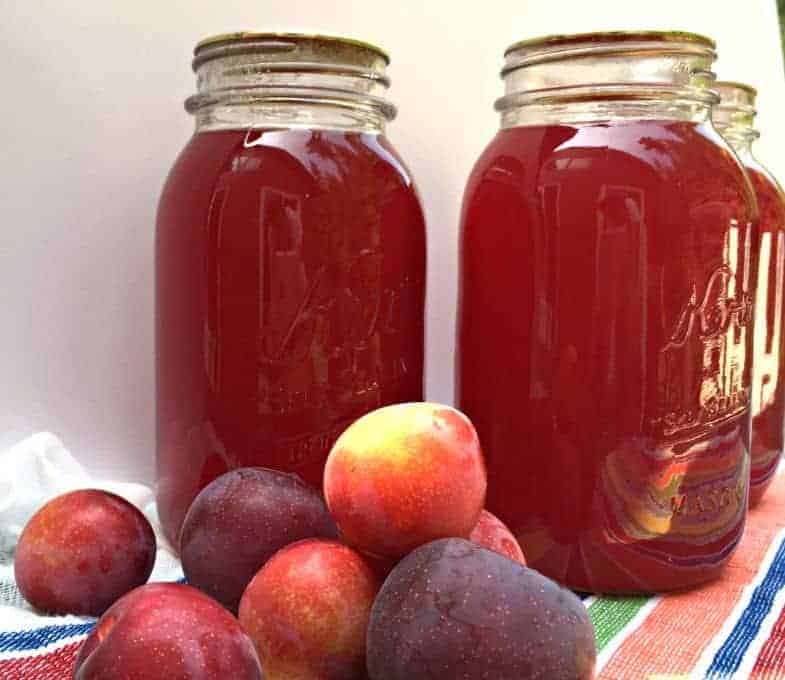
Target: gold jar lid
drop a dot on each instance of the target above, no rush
(337, 47)
(734, 87)
(567, 40)
(612, 65)
(735, 112)
(275, 68)
(551, 48)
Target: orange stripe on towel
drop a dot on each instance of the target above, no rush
(673, 636)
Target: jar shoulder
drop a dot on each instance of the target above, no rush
(308, 165)
(310, 151)
(769, 194)
(683, 157)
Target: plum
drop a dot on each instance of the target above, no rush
(404, 475)
(83, 550)
(452, 609)
(167, 631)
(490, 532)
(239, 520)
(307, 612)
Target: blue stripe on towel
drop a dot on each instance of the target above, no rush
(40, 637)
(728, 657)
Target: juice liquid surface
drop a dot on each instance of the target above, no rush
(290, 286)
(604, 347)
(768, 395)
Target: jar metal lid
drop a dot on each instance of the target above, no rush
(634, 65)
(612, 37)
(735, 96)
(281, 67)
(734, 116)
(735, 84)
(256, 36)
(554, 48)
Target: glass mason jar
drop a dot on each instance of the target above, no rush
(290, 263)
(605, 308)
(733, 117)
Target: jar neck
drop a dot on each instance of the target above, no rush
(601, 110)
(299, 114)
(734, 116)
(740, 138)
(290, 81)
(608, 76)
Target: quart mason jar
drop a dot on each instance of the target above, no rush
(290, 263)
(733, 117)
(605, 312)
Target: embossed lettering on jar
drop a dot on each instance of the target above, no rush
(290, 263)
(734, 117)
(605, 316)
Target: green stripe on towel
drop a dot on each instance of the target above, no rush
(610, 615)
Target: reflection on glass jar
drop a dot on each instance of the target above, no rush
(734, 117)
(290, 263)
(605, 318)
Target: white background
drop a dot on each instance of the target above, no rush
(92, 118)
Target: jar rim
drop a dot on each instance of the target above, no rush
(250, 36)
(735, 84)
(568, 39)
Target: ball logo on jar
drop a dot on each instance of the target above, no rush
(329, 311)
(688, 480)
(702, 372)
